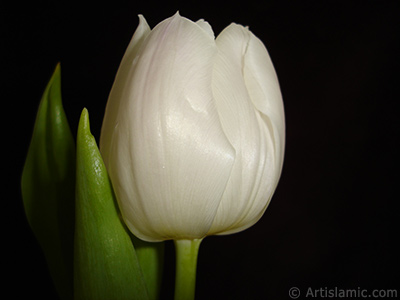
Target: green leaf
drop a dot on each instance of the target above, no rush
(151, 260)
(48, 186)
(105, 263)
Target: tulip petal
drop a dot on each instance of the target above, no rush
(121, 85)
(206, 26)
(170, 159)
(251, 184)
(263, 87)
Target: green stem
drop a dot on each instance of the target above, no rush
(186, 263)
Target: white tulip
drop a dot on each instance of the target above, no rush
(194, 131)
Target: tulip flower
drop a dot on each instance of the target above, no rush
(193, 134)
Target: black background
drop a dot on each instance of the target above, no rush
(333, 221)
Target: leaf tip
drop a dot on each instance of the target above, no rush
(84, 124)
(56, 73)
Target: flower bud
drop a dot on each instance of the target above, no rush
(193, 134)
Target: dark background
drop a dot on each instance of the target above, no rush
(333, 221)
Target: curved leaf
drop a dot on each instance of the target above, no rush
(48, 184)
(105, 263)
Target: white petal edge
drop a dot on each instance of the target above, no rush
(206, 27)
(119, 88)
(264, 90)
(251, 184)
